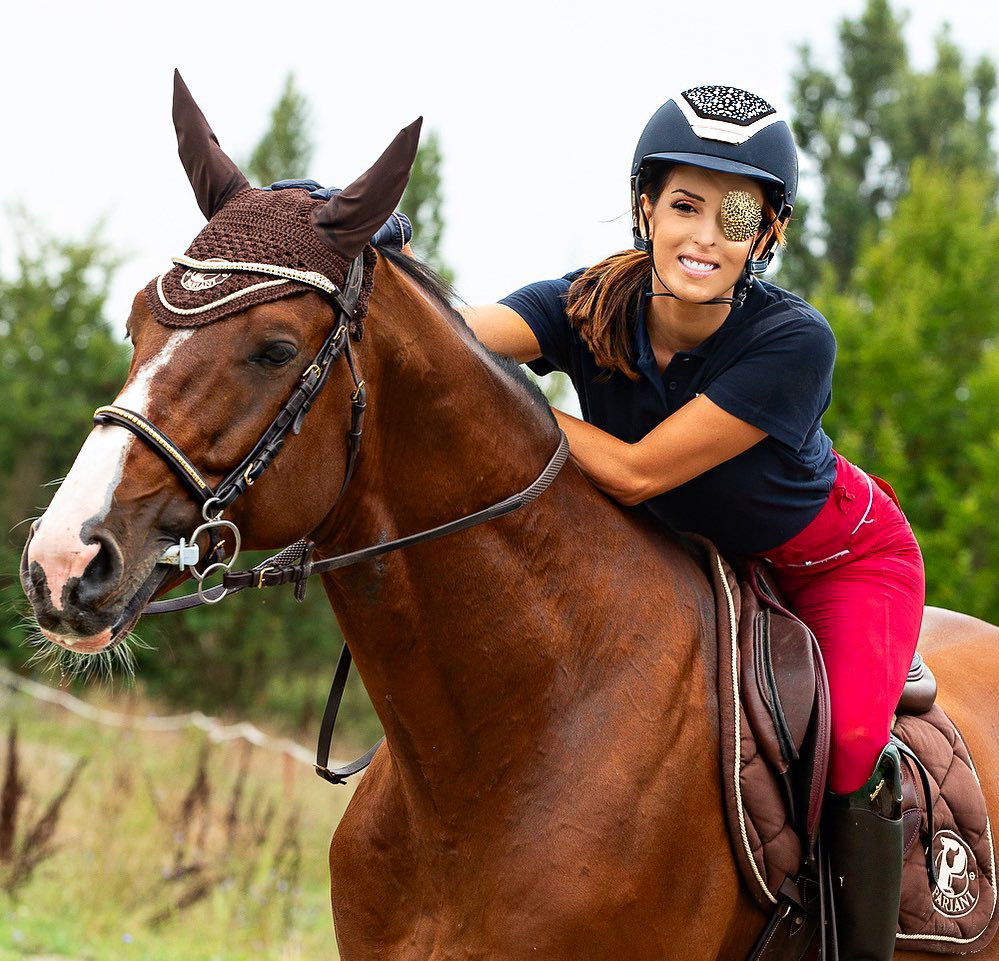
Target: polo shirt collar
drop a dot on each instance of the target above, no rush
(645, 361)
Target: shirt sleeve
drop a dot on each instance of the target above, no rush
(542, 305)
(783, 383)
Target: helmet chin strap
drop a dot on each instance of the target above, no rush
(742, 286)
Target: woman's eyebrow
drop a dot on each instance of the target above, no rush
(680, 190)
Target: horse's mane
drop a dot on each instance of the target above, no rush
(444, 295)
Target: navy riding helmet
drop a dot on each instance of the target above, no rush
(724, 129)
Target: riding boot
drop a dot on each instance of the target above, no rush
(865, 844)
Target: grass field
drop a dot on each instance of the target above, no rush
(167, 848)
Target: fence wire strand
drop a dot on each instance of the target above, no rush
(215, 729)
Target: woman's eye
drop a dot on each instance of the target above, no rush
(277, 355)
(684, 207)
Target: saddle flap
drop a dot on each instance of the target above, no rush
(778, 674)
(792, 673)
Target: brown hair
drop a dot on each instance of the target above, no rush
(603, 300)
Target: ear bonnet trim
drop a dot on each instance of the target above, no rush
(211, 305)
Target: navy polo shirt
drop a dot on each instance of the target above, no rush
(769, 364)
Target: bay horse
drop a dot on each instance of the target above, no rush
(550, 784)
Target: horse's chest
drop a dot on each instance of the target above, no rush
(522, 879)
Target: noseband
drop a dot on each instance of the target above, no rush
(293, 564)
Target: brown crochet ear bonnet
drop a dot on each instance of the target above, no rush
(260, 226)
(285, 228)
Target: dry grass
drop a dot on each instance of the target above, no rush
(163, 847)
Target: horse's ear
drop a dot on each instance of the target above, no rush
(348, 219)
(214, 177)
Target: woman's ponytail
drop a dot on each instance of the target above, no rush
(601, 305)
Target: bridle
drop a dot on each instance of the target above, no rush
(293, 564)
(289, 418)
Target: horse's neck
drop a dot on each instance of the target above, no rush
(474, 646)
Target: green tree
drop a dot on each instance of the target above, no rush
(286, 148)
(423, 203)
(916, 387)
(861, 127)
(59, 360)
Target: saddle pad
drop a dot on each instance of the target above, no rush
(959, 915)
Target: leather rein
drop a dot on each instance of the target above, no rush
(293, 564)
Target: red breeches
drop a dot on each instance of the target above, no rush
(854, 575)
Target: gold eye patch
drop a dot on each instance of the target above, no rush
(741, 215)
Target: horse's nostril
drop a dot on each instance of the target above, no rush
(104, 571)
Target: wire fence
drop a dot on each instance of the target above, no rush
(217, 731)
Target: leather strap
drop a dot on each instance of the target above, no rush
(338, 775)
(931, 868)
(271, 573)
(161, 444)
(288, 418)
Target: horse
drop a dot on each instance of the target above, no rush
(549, 786)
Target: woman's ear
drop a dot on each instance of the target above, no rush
(647, 208)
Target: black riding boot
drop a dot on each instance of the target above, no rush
(864, 841)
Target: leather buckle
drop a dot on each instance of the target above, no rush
(327, 775)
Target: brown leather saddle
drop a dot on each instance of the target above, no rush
(786, 696)
(774, 724)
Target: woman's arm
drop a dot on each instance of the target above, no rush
(697, 437)
(502, 329)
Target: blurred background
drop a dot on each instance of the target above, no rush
(123, 837)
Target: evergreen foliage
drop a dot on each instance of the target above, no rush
(285, 150)
(861, 126)
(423, 203)
(917, 375)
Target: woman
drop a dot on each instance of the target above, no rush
(702, 390)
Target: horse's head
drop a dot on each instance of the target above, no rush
(227, 357)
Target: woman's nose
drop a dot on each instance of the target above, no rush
(705, 232)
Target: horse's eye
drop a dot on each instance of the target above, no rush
(277, 355)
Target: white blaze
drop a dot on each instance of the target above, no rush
(88, 490)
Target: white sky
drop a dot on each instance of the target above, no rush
(538, 106)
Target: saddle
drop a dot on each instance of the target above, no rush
(774, 726)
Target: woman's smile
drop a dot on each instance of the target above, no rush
(696, 266)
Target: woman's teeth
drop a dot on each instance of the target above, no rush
(697, 265)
